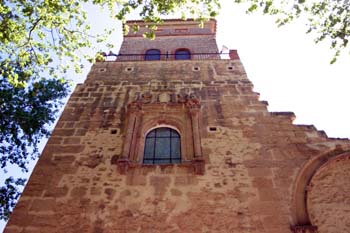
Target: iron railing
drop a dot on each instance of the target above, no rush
(164, 57)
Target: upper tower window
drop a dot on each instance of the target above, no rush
(182, 54)
(152, 54)
(162, 146)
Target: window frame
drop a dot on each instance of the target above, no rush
(171, 157)
(180, 50)
(152, 55)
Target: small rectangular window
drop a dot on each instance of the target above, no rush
(212, 129)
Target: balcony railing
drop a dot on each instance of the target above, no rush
(165, 57)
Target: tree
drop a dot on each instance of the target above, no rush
(9, 194)
(24, 117)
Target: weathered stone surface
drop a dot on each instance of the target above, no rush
(328, 197)
(254, 161)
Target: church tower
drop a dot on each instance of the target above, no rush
(170, 137)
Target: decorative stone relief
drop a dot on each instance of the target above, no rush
(145, 98)
(190, 100)
(164, 98)
(182, 98)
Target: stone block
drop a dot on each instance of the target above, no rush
(71, 140)
(160, 184)
(175, 192)
(12, 229)
(261, 182)
(259, 172)
(78, 192)
(55, 140)
(22, 219)
(66, 149)
(267, 208)
(80, 132)
(44, 221)
(269, 194)
(186, 180)
(56, 192)
(64, 132)
(39, 205)
(64, 160)
(33, 190)
(95, 191)
(136, 179)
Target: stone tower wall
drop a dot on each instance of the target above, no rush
(244, 169)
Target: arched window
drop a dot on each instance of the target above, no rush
(182, 54)
(152, 54)
(162, 146)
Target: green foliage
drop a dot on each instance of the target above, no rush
(25, 113)
(24, 116)
(153, 11)
(9, 193)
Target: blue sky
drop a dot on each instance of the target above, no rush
(286, 67)
(289, 70)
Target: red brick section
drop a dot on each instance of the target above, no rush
(233, 54)
(197, 40)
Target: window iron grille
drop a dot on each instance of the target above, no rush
(162, 146)
(164, 56)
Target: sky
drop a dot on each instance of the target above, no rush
(287, 68)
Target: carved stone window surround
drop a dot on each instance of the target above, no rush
(148, 112)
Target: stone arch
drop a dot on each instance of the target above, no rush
(300, 215)
(183, 54)
(152, 54)
(156, 122)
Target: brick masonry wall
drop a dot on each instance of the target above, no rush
(197, 44)
(172, 35)
(253, 159)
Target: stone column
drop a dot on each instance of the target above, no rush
(197, 161)
(123, 162)
(195, 131)
(135, 136)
